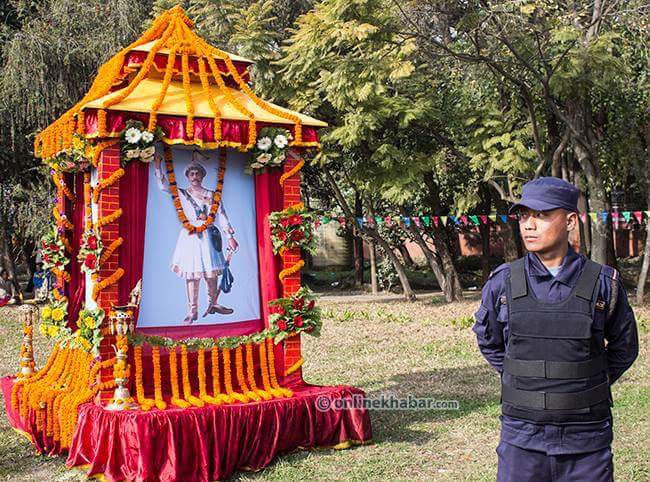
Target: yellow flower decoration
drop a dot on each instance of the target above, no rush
(89, 321)
(52, 330)
(46, 313)
(58, 314)
(43, 329)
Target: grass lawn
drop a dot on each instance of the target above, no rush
(386, 346)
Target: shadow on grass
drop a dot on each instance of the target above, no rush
(474, 387)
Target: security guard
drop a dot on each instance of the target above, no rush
(559, 329)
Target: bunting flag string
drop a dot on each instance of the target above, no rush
(427, 220)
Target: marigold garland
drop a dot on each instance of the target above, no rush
(294, 170)
(61, 185)
(216, 197)
(272, 377)
(173, 380)
(241, 379)
(189, 106)
(145, 403)
(187, 387)
(264, 367)
(99, 148)
(109, 181)
(62, 219)
(205, 82)
(108, 252)
(88, 210)
(112, 279)
(101, 123)
(250, 372)
(157, 381)
(291, 270)
(61, 274)
(111, 218)
(227, 378)
(294, 367)
(216, 383)
(169, 70)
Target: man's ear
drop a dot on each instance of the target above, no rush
(571, 221)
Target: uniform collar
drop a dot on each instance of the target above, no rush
(569, 269)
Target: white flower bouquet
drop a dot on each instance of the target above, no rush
(270, 150)
(138, 143)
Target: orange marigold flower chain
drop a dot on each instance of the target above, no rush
(216, 197)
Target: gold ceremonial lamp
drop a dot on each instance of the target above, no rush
(121, 323)
(28, 314)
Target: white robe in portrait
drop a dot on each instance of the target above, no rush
(195, 256)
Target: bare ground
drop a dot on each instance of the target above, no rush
(387, 346)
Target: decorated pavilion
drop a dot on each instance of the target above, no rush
(178, 312)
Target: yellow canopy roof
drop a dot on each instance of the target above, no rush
(202, 87)
(146, 92)
(149, 45)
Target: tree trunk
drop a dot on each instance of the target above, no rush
(453, 289)
(374, 235)
(406, 256)
(435, 264)
(7, 260)
(357, 244)
(484, 230)
(645, 266)
(373, 268)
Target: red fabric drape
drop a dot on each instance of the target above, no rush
(77, 287)
(133, 201)
(174, 127)
(268, 198)
(210, 443)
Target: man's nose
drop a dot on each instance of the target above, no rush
(530, 223)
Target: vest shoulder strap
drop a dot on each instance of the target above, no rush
(588, 280)
(518, 283)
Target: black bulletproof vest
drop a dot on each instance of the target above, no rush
(555, 370)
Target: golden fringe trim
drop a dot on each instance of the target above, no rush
(294, 367)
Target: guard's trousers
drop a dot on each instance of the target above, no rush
(521, 465)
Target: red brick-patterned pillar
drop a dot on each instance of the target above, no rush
(108, 203)
(291, 283)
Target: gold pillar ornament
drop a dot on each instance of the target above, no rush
(121, 323)
(28, 314)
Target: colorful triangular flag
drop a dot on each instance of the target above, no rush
(593, 217)
(444, 220)
(436, 219)
(504, 218)
(426, 220)
(638, 215)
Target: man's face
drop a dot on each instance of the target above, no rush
(545, 230)
(195, 177)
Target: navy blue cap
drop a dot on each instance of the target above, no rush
(546, 193)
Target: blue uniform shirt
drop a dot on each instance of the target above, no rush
(616, 323)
